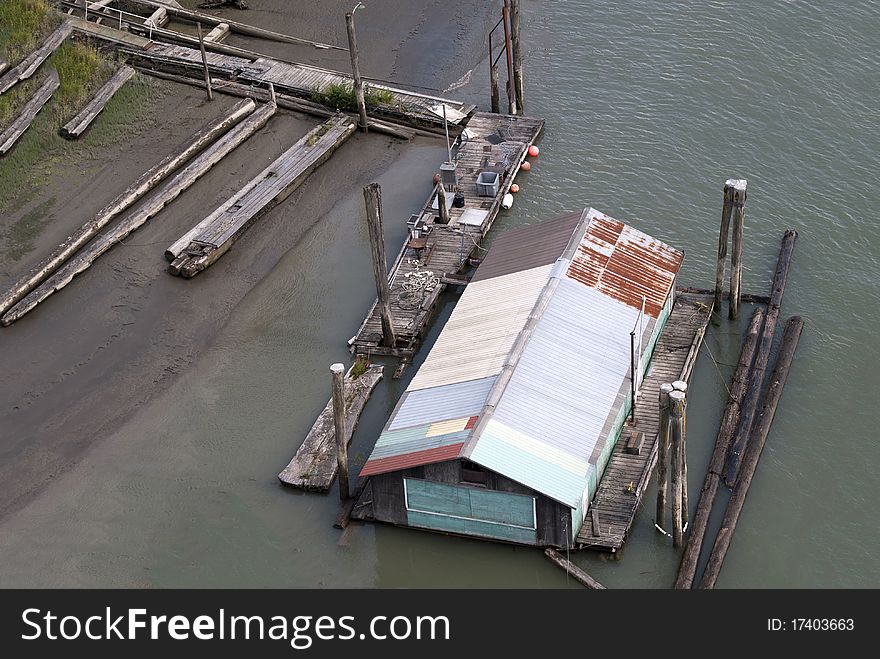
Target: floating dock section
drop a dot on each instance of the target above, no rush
(490, 141)
(213, 236)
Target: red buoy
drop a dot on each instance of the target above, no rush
(526, 166)
(514, 188)
(534, 151)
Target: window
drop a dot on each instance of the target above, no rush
(474, 474)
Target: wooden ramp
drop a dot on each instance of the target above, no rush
(77, 126)
(314, 465)
(626, 476)
(213, 236)
(297, 80)
(28, 66)
(10, 136)
(420, 272)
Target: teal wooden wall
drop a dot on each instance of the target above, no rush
(471, 511)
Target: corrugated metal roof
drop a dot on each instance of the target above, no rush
(478, 336)
(526, 247)
(539, 353)
(625, 263)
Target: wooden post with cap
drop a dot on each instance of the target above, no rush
(677, 402)
(338, 373)
(662, 456)
(682, 386)
(738, 200)
(373, 200)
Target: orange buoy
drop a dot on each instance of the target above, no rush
(514, 188)
(526, 166)
(534, 151)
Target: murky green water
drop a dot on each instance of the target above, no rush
(649, 107)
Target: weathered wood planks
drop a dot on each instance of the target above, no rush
(77, 126)
(212, 237)
(10, 136)
(146, 182)
(626, 477)
(572, 569)
(314, 465)
(155, 203)
(28, 66)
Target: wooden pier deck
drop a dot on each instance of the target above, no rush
(488, 139)
(213, 236)
(314, 466)
(626, 476)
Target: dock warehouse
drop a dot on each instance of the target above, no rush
(505, 430)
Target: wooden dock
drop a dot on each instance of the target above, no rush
(29, 65)
(78, 125)
(422, 269)
(17, 128)
(213, 236)
(314, 467)
(627, 475)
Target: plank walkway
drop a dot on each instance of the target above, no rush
(17, 128)
(108, 33)
(29, 65)
(78, 125)
(212, 237)
(488, 139)
(299, 80)
(313, 467)
(626, 476)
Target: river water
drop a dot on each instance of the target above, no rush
(649, 106)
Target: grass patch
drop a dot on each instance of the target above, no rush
(342, 97)
(360, 367)
(23, 25)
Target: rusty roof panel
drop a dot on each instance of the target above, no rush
(396, 463)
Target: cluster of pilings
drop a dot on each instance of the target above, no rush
(512, 50)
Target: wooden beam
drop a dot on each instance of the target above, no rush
(218, 34)
(756, 379)
(373, 200)
(662, 453)
(147, 181)
(677, 402)
(205, 63)
(572, 569)
(688, 567)
(16, 129)
(721, 258)
(790, 338)
(78, 125)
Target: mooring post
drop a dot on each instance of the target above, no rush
(441, 203)
(676, 431)
(662, 456)
(493, 79)
(205, 63)
(736, 249)
(373, 200)
(517, 55)
(511, 88)
(682, 386)
(338, 373)
(722, 247)
(355, 67)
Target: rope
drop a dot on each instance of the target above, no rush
(715, 363)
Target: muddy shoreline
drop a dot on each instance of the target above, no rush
(109, 345)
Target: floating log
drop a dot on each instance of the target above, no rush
(77, 126)
(756, 379)
(748, 298)
(32, 62)
(202, 245)
(790, 338)
(136, 218)
(149, 180)
(10, 136)
(688, 568)
(218, 34)
(572, 569)
(314, 465)
(235, 26)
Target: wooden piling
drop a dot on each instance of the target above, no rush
(149, 180)
(722, 247)
(442, 206)
(662, 456)
(373, 200)
(682, 386)
(205, 62)
(338, 374)
(493, 80)
(756, 379)
(511, 88)
(139, 216)
(572, 569)
(516, 54)
(688, 568)
(790, 338)
(738, 201)
(356, 71)
(675, 412)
